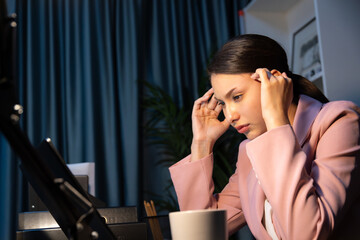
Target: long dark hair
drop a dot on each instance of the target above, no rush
(246, 53)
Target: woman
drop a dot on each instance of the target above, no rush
(296, 176)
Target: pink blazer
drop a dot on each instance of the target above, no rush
(308, 172)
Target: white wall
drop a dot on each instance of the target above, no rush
(339, 28)
(278, 19)
(297, 16)
(272, 24)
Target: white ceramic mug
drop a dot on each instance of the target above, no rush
(206, 224)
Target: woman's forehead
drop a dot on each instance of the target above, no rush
(230, 79)
(224, 84)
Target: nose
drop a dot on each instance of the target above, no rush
(231, 114)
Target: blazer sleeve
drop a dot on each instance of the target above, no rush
(304, 203)
(194, 187)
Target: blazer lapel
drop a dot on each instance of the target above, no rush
(306, 112)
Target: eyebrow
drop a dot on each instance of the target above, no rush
(227, 94)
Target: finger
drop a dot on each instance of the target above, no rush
(212, 103)
(269, 74)
(285, 76)
(199, 102)
(264, 75)
(199, 105)
(256, 77)
(226, 123)
(218, 108)
(209, 92)
(206, 95)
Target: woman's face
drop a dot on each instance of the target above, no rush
(240, 97)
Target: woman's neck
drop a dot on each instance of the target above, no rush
(291, 112)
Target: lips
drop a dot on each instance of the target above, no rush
(243, 128)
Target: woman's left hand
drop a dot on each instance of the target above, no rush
(276, 96)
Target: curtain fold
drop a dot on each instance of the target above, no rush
(80, 67)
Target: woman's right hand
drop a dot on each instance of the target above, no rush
(206, 126)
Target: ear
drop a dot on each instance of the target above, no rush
(275, 72)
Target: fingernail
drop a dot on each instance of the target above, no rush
(269, 74)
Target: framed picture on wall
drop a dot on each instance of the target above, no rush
(305, 53)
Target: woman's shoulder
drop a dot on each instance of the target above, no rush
(336, 111)
(336, 108)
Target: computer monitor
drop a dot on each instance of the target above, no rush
(84, 174)
(63, 184)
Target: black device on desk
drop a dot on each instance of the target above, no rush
(122, 221)
(35, 203)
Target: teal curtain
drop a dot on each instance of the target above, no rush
(78, 80)
(183, 35)
(80, 64)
